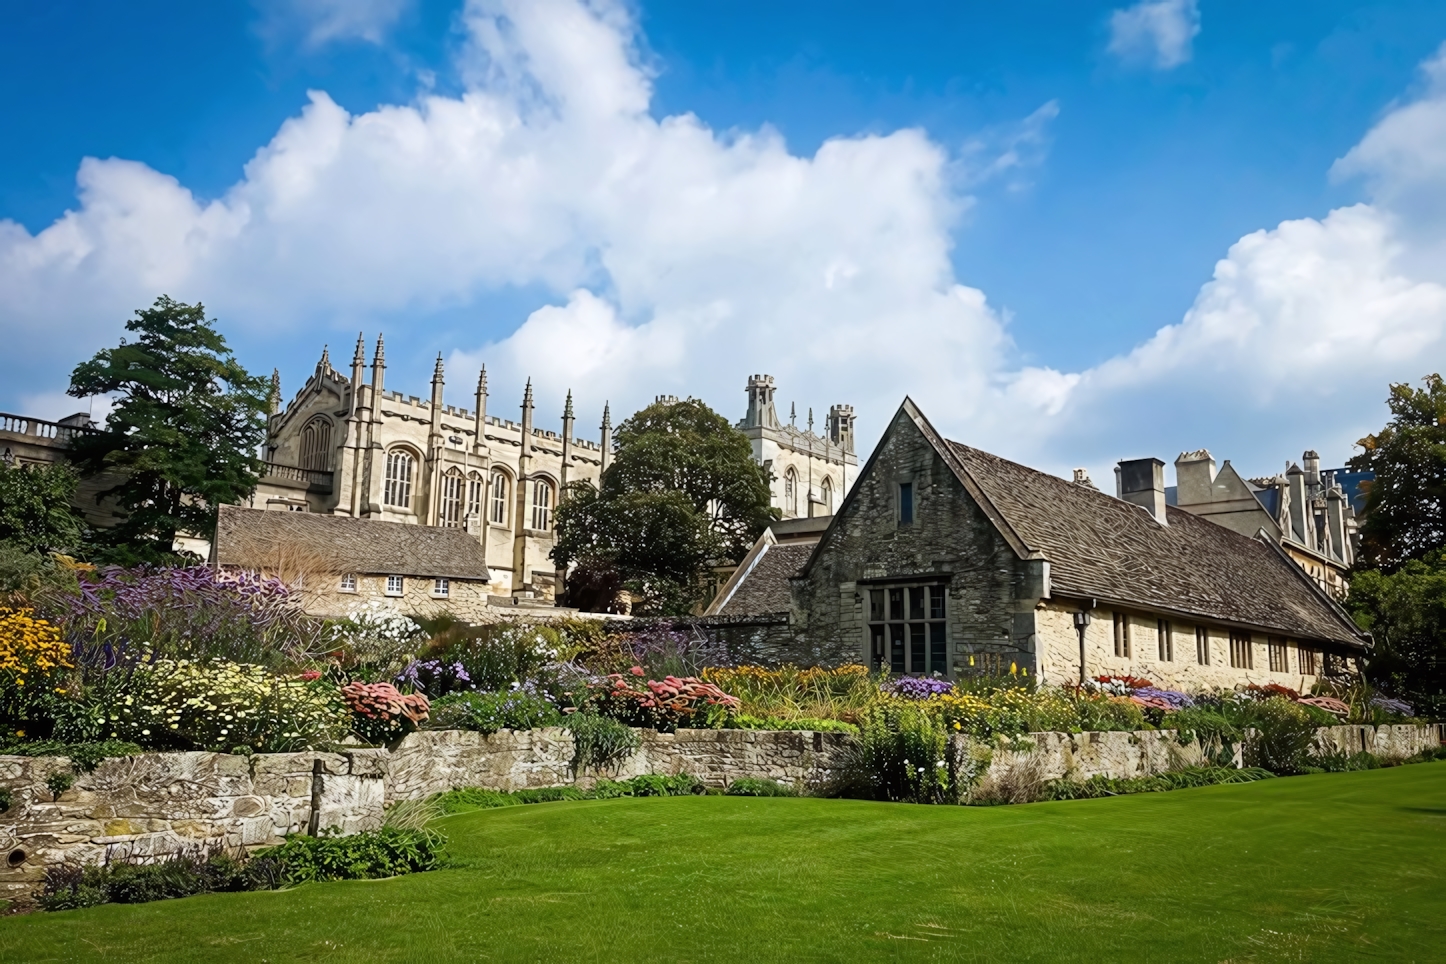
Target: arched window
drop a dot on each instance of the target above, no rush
(398, 488)
(449, 515)
(474, 496)
(825, 495)
(790, 492)
(499, 498)
(541, 504)
(316, 445)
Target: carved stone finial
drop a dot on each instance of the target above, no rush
(359, 357)
(567, 407)
(379, 360)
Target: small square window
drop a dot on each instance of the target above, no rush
(348, 582)
(440, 587)
(394, 585)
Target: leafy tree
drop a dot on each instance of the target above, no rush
(183, 435)
(682, 494)
(35, 510)
(1406, 503)
(1405, 612)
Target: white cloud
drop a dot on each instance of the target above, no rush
(320, 22)
(1160, 31)
(679, 260)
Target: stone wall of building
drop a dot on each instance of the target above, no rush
(155, 804)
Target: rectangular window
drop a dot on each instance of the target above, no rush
(1122, 635)
(348, 582)
(1202, 645)
(1279, 656)
(908, 631)
(1309, 661)
(394, 585)
(906, 502)
(1240, 651)
(440, 587)
(1166, 640)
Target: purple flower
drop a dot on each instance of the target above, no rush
(1176, 699)
(1390, 705)
(917, 687)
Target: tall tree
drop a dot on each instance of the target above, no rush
(183, 434)
(35, 510)
(1405, 612)
(682, 494)
(1406, 503)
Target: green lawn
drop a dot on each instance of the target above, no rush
(1321, 868)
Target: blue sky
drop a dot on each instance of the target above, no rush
(994, 207)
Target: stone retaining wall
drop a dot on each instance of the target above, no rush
(155, 804)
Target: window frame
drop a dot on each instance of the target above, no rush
(396, 485)
(1202, 646)
(541, 509)
(790, 490)
(1242, 650)
(396, 585)
(347, 583)
(1165, 640)
(1308, 658)
(315, 453)
(1122, 635)
(453, 494)
(906, 502)
(441, 588)
(1277, 650)
(907, 627)
(499, 485)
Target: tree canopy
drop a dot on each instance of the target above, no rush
(1405, 612)
(1406, 503)
(682, 494)
(182, 437)
(35, 509)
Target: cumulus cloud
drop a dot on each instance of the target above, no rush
(1157, 31)
(666, 257)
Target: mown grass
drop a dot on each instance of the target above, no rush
(1331, 867)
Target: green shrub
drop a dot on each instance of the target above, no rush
(904, 754)
(599, 741)
(749, 787)
(1284, 736)
(1337, 762)
(466, 799)
(678, 785)
(799, 723)
(84, 757)
(489, 712)
(6, 799)
(59, 782)
(69, 887)
(1185, 779)
(387, 852)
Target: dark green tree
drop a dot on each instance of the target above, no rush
(35, 507)
(183, 434)
(1405, 514)
(683, 494)
(1405, 612)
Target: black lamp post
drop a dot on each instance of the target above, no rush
(1081, 623)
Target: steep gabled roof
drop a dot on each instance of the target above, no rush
(1105, 548)
(252, 539)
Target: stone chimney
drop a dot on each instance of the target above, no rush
(1082, 477)
(1142, 481)
(1302, 524)
(1310, 461)
(1194, 478)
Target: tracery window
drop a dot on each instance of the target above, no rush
(316, 444)
(825, 494)
(449, 515)
(790, 491)
(499, 498)
(398, 488)
(475, 487)
(541, 504)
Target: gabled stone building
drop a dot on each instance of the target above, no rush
(944, 559)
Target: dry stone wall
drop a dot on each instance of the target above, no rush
(155, 804)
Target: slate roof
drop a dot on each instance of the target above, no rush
(1102, 547)
(247, 538)
(764, 588)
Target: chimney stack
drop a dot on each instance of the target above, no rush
(1142, 481)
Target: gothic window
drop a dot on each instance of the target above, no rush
(825, 494)
(474, 496)
(398, 488)
(790, 491)
(907, 629)
(450, 514)
(541, 504)
(499, 498)
(316, 445)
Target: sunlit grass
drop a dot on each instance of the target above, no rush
(1323, 868)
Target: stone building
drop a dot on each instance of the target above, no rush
(338, 563)
(347, 446)
(811, 473)
(1306, 510)
(36, 441)
(944, 559)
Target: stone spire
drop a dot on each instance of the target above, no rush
(359, 357)
(324, 365)
(607, 439)
(437, 382)
(480, 425)
(527, 419)
(274, 400)
(567, 423)
(379, 366)
(793, 414)
(810, 420)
